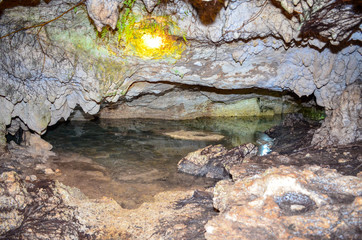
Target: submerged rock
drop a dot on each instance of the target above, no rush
(264, 200)
(288, 202)
(47, 72)
(194, 135)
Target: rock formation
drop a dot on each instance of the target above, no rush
(48, 70)
(340, 123)
(283, 202)
(215, 161)
(286, 203)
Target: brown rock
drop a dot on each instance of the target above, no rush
(194, 135)
(288, 203)
(205, 161)
(215, 161)
(48, 171)
(38, 146)
(103, 12)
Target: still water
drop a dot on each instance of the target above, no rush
(140, 158)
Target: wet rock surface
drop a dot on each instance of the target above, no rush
(47, 72)
(43, 209)
(194, 135)
(295, 133)
(305, 193)
(293, 146)
(318, 15)
(215, 161)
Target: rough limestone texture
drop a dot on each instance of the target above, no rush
(12, 194)
(46, 72)
(38, 146)
(34, 210)
(288, 203)
(329, 19)
(43, 209)
(341, 122)
(40, 82)
(103, 12)
(176, 103)
(2, 137)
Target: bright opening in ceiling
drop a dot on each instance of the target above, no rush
(152, 41)
(156, 37)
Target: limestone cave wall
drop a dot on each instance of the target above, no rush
(280, 45)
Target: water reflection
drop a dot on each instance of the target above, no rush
(137, 153)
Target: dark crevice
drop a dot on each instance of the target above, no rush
(5, 4)
(253, 92)
(17, 137)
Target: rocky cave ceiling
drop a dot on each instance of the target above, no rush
(309, 47)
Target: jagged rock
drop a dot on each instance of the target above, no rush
(38, 146)
(330, 19)
(204, 162)
(103, 12)
(308, 202)
(172, 215)
(150, 4)
(345, 124)
(43, 209)
(12, 199)
(46, 74)
(215, 161)
(34, 210)
(285, 203)
(41, 94)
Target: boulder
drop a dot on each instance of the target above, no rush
(215, 161)
(38, 146)
(288, 203)
(34, 210)
(204, 162)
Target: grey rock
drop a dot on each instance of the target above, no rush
(150, 4)
(167, 101)
(2, 137)
(345, 124)
(46, 75)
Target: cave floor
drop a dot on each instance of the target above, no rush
(180, 213)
